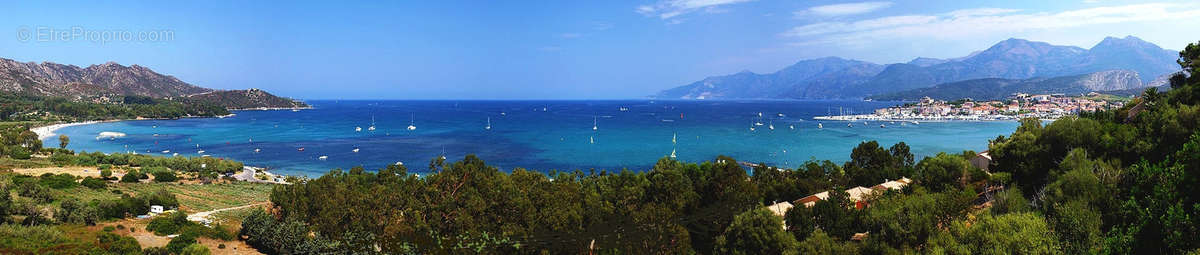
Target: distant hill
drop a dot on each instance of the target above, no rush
(112, 79)
(998, 88)
(1015, 59)
(245, 99)
(819, 74)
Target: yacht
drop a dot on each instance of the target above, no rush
(323, 157)
(372, 127)
(355, 150)
(489, 124)
(412, 124)
(256, 150)
(594, 126)
(819, 126)
(357, 129)
(200, 152)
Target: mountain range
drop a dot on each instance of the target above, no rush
(112, 79)
(1014, 61)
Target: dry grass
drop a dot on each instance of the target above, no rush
(81, 171)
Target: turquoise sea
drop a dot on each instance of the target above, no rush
(538, 135)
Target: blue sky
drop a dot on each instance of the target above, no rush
(546, 49)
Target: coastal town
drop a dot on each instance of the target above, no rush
(1018, 106)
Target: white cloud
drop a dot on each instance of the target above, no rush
(667, 9)
(846, 9)
(972, 23)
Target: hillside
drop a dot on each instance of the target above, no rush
(111, 79)
(998, 88)
(245, 99)
(1014, 59)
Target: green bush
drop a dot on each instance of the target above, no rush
(164, 198)
(18, 152)
(58, 181)
(38, 193)
(62, 159)
(195, 249)
(165, 176)
(109, 228)
(117, 244)
(72, 210)
(177, 244)
(93, 183)
(131, 176)
(106, 174)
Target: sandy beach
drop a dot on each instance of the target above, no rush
(44, 132)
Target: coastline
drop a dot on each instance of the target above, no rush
(47, 131)
(44, 132)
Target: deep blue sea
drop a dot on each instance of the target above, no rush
(538, 135)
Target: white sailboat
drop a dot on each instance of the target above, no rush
(771, 126)
(323, 157)
(673, 145)
(357, 129)
(819, 126)
(594, 124)
(412, 124)
(489, 124)
(372, 127)
(256, 150)
(355, 150)
(200, 152)
(591, 139)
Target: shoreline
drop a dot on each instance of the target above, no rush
(47, 131)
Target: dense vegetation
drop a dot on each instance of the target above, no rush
(18, 107)
(1120, 181)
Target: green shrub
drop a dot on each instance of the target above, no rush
(165, 176)
(62, 159)
(177, 244)
(18, 152)
(93, 183)
(195, 249)
(72, 210)
(36, 192)
(117, 244)
(131, 176)
(221, 246)
(164, 198)
(109, 228)
(168, 224)
(58, 181)
(106, 174)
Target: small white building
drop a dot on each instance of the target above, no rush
(156, 209)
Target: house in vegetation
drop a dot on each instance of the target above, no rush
(156, 209)
(858, 195)
(780, 208)
(891, 185)
(811, 200)
(982, 160)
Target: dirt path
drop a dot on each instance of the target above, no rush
(203, 216)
